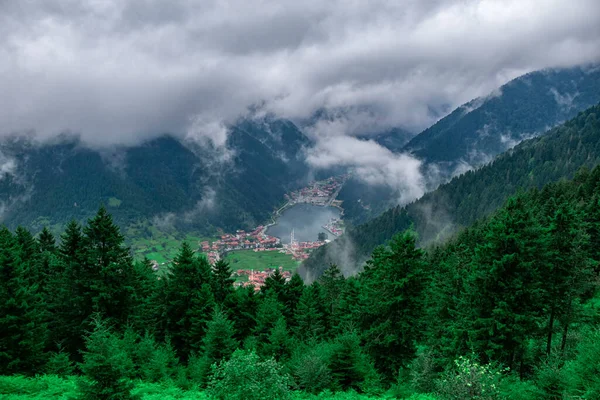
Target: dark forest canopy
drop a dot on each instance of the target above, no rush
(507, 307)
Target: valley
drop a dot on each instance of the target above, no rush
(310, 217)
(361, 200)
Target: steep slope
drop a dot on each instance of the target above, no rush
(477, 131)
(525, 107)
(164, 179)
(557, 154)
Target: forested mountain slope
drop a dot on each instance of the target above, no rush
(557, 154)
(526, 106)
(507, 309)
(477, 131)
(164, 179)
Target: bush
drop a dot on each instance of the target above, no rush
(106, 366)
(246, 376)
(470, 380)
(60, 364)
(582, 375)
(310, 370)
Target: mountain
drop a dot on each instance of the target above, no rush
(558, 154)
(474, 133)
(172, 182)
(525, 107)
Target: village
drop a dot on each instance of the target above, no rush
(321, 193)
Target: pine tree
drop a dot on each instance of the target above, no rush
(223, 281)
(106, 365)
(275, 283)
(30, 257)
(218, 344)
(146, 305)
(268, 313)
(244, 312)
(505, 279)
(309, 314)
(278, 344)
(391, 303)
(349, 366)
(46, 241)
(189, 301)
(110, 269)
(332, 283)
(23, 331)
(569, 273)
(293, 291)
(70, 305)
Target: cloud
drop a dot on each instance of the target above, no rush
(124, 71)
(8, 165)
(204, 206)
(368, 161)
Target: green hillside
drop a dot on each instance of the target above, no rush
(164, 182)
(557, 154)
(477, 131)
(527, 105)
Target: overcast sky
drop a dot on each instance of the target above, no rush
(118, 71)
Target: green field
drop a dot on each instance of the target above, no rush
(248, 259)
(159, 245)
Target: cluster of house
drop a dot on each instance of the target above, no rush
(256, 239)
(316, 192)
(333, 226)
(298, 249)
(257, 278)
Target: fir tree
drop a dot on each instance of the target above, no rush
(223, 281)
(278, 344)
(46, 241)
(189, 301)
(391, 303)
(309, 314)
(569, 273)
(106, 365)
(275, 283)
(110, 270)
(23, 331)
(268, 313)
(506, 281)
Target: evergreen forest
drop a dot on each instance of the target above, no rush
(507, 308)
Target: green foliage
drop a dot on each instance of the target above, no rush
(518, 289)
(246, 376)
(470, 380)
(310, 318)
(18, 387)
(106, 365)
(189, 301)
(23, 327)
(59, 363)
(582, 375)
(350, 367)
(391, 302)
(309, 367)
(157, 177)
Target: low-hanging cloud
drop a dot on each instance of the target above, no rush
(369, 161)
(118, 72)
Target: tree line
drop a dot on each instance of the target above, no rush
(507, 308)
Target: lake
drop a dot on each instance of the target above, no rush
(306, 220)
